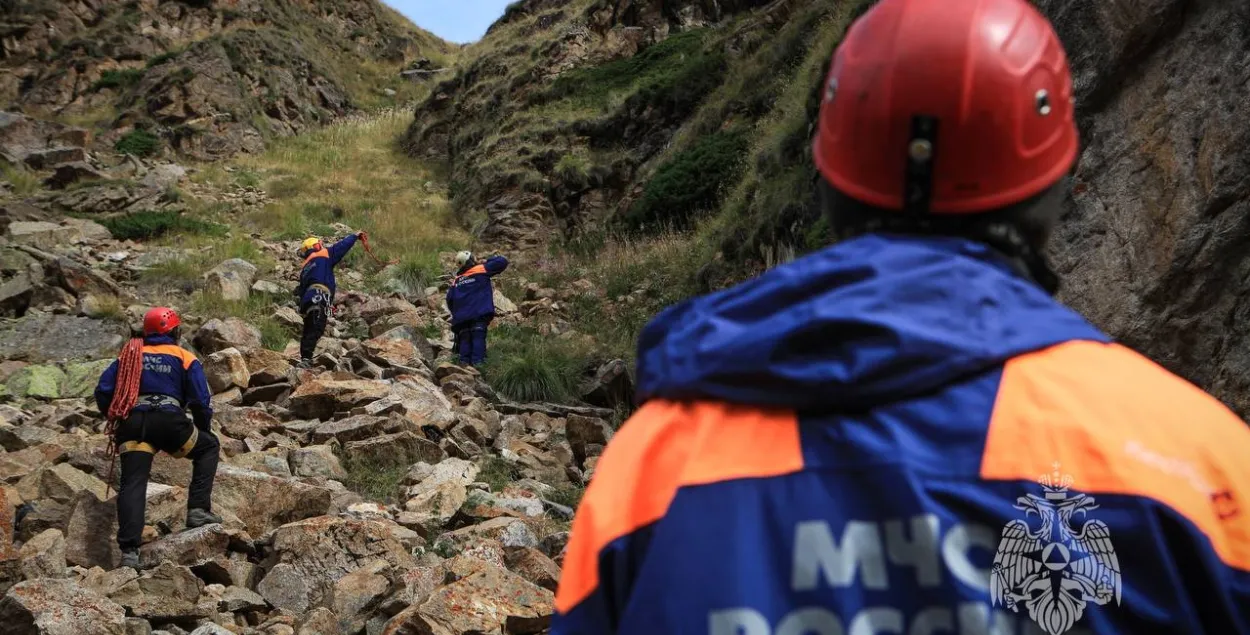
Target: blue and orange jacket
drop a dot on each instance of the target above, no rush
(470, 295)
(170, 370)
(844, 444)
(319, 269)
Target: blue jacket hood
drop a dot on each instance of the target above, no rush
(865, 322)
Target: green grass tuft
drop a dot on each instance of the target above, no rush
(375, 480)
(526, 366)
(496, 472)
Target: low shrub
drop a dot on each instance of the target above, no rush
(118, 78)
(690, 181)
(140, 143)
(152, 224)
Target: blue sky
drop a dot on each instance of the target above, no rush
(459, 21)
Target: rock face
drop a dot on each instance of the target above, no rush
(1154, 243)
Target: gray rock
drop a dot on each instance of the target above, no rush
(216, 335)
(41, 337)
(225, 369)
(44, 556)
(285, 587)
(231, 280)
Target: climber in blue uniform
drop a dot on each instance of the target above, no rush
(170, 380)
(471, 300)
(316, 289)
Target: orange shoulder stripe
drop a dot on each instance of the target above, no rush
(172, 350)
(1121, 424)
(320, 253)
(473, 271)
(664, 446)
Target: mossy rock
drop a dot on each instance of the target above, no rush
(81, 379)
(37, 381)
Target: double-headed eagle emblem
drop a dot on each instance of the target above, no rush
(1057, 569)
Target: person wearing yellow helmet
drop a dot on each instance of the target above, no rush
(316, 289)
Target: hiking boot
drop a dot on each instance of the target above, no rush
(130, 558)
(200, 517)
(304, 364)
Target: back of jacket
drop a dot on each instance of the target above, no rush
(168, 371)
(470, 295)
(319, 269)
(903, 436)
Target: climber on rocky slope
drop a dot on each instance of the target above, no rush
(471, 300)
(316, 289)
(146, 393)
(905, 431)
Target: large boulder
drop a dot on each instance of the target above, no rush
(316, 460)
(260, 501)
(217, 335)
(44, 555)
(611, 387)
(40, 234)
(79, 279)
(241, 423)
(167, 592)
(484, 598)
(231, 280)
(226, 369)
(318, 552)
(321, 398)
(441, 491)
(43, 382)
(81, 378)
(41, 338)
(267, 367)
(402, 448)
(48, 606)
(418, 400)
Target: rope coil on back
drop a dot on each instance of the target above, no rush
(125, 396)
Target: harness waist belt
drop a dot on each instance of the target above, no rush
(322, 287)
(158, 400)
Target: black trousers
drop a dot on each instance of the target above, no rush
(315, 319)
(143, 434)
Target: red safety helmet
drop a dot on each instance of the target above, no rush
(160, 320)
(947, 106)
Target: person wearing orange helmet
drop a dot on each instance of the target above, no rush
(905, 432)
(153, 388)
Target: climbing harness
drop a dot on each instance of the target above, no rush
(125, 396)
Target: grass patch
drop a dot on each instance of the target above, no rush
(375, 480)
(140, 143)
(353, 172)
(496, 472)
(527, 366)
(118, 78)
(24, 183)
(108, 307)
(568, 495)
(154, 224)
(573, 168)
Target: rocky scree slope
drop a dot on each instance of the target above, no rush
(205, 78)
(466, 494)
(576, 119)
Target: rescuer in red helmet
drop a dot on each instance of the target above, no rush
(905, 432)
(145, 394)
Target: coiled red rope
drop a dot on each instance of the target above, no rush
(125, 396)
(364, 240)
